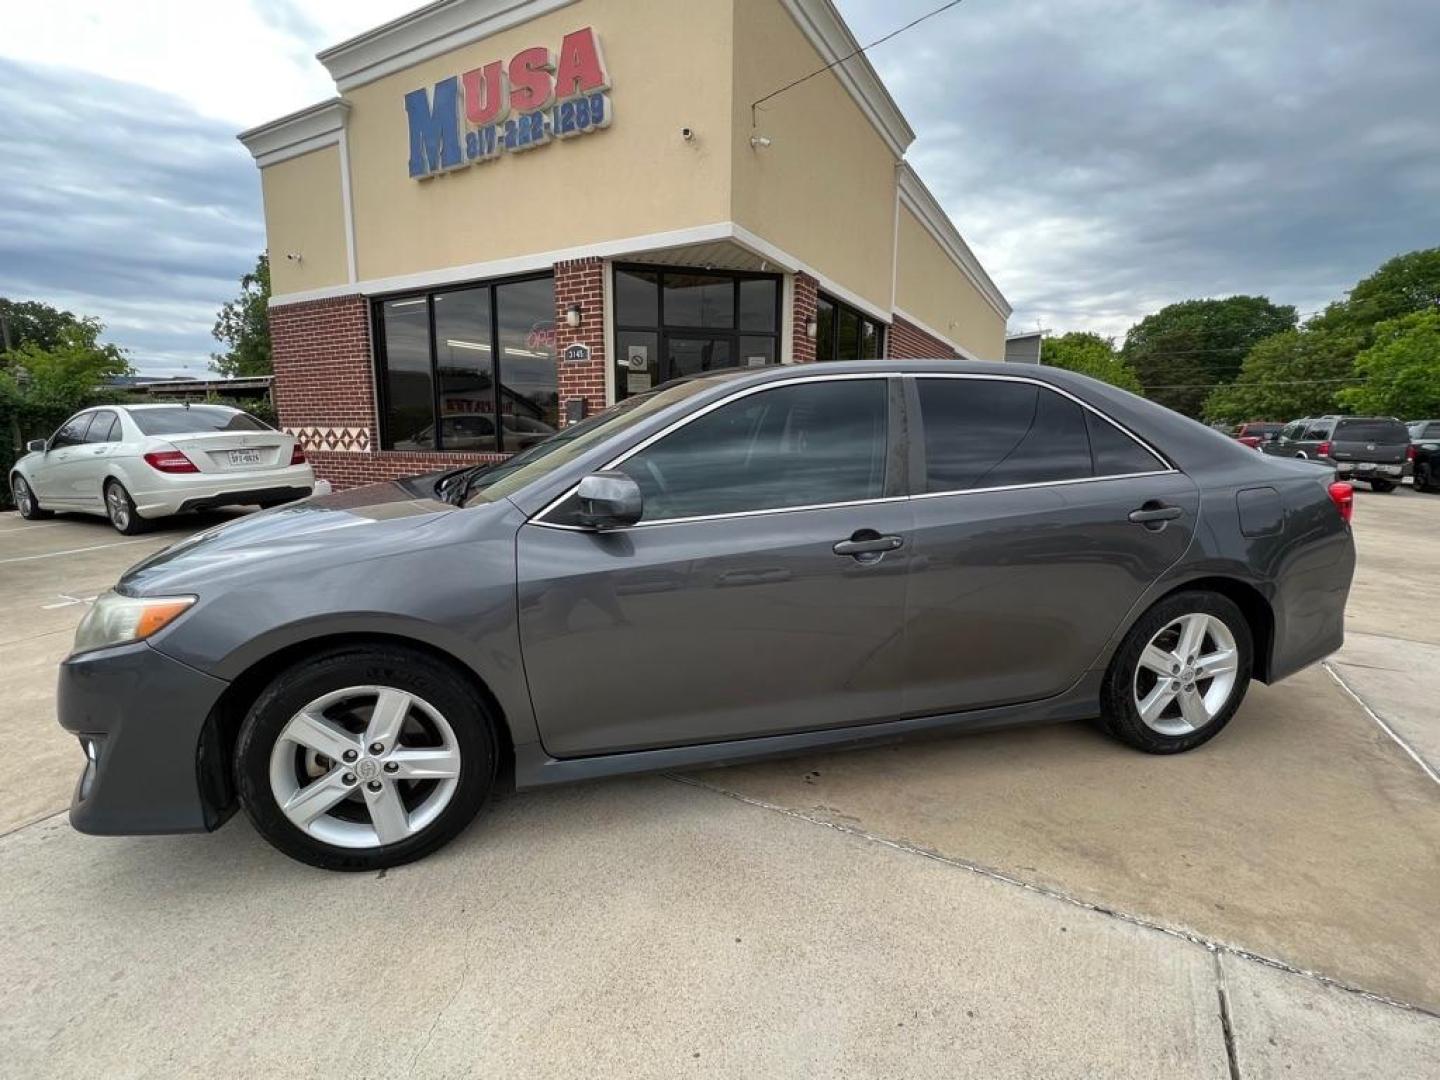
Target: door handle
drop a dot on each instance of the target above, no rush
(1155, 513)
(867, 542)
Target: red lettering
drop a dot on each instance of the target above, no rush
(487, 94)
(531, 84)
(581, 68)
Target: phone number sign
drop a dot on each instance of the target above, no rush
(534, 98)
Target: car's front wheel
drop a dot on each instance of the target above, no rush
(25, 500)
(363, 758)
(1180, 674)
(120, 509)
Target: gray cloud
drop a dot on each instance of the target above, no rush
(1106, 157)
(122, 202)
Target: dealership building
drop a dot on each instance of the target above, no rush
(517, 212)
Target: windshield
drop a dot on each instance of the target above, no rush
(180, 420)
(500, 481)
(1376, 431)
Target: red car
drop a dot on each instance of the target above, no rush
(1257, 432)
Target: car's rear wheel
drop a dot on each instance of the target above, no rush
(364, 758)
(1423, 479)
(1384, 487)
(25, 500)
(120, 509)
(1180, 674)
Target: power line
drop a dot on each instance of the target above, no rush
(836, 63)
(1257, 385)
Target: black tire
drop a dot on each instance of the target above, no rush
(25, 500)
(120, 509)
(1120, 716)
(396, 667)
(1384, 487)
(1422, 479)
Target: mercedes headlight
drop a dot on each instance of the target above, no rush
(114, 619)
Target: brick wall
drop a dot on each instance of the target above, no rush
(581, 281)
(906, 341)
(324, 394)
(802, 310)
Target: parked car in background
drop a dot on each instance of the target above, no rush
(1375, 449)
(732, 566)
(1424, 430)
(135, 463)
(1425, 460)
(1257, 432)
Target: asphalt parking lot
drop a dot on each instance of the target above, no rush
(1027, 903)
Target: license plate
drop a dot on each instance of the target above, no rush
(244, 457)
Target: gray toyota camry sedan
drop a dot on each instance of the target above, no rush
(741, 564)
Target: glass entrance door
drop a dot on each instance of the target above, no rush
(689, 354)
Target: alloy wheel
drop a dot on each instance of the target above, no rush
(365, 766)
(23, 499)
(1186, 674)
(118, 507)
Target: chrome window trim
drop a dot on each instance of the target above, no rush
(1166, 467)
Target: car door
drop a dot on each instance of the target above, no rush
(83, 475)
(1038, 525)
(51, 477)
(761, 592)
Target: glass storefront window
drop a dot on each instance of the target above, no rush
(844, 333)
(409, 390)
(705, 300)
(637, 297)
(438, 368)
(529, 391)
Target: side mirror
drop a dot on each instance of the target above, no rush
(609, 500)
(35, 446)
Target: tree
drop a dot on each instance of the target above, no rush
(29, 322)
(1184, 350)
(1404, 284)
(1089, 354)
(1290, 374)
(244, 325)
(1401, 369)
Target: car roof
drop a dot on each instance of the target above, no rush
(172, 405)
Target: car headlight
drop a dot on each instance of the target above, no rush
(114, 619)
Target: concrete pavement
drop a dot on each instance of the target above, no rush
(1026, 903)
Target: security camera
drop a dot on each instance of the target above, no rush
(294, 256)
(688, 134)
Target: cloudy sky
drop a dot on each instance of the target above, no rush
(1103, 157)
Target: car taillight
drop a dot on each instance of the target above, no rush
(1323, 450)
(1343, 496)
(170, 461)
(297, 455)
(1410, 453)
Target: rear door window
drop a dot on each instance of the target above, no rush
(1374, 431)
(103, 428)
(983, 433)
(193, 420)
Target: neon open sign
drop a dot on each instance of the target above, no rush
(536, 97)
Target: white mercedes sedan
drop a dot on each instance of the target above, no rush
(134, 463)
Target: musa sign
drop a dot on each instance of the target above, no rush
(501, 106)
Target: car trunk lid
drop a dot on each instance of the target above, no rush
(234, 451)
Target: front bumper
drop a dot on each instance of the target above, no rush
(140, 717)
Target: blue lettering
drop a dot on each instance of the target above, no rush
(434, 128)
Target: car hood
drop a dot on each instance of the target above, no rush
(332, 527)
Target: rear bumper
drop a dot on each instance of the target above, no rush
(139, 716)
(196, 491)
(1366, 470)
(248, 497)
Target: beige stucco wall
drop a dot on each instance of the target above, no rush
(929, 286)
(304, 215)
(824, 189)
(669, 65)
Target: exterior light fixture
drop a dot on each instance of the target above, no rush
(811, 328)
(572, 316)
(759, 142)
